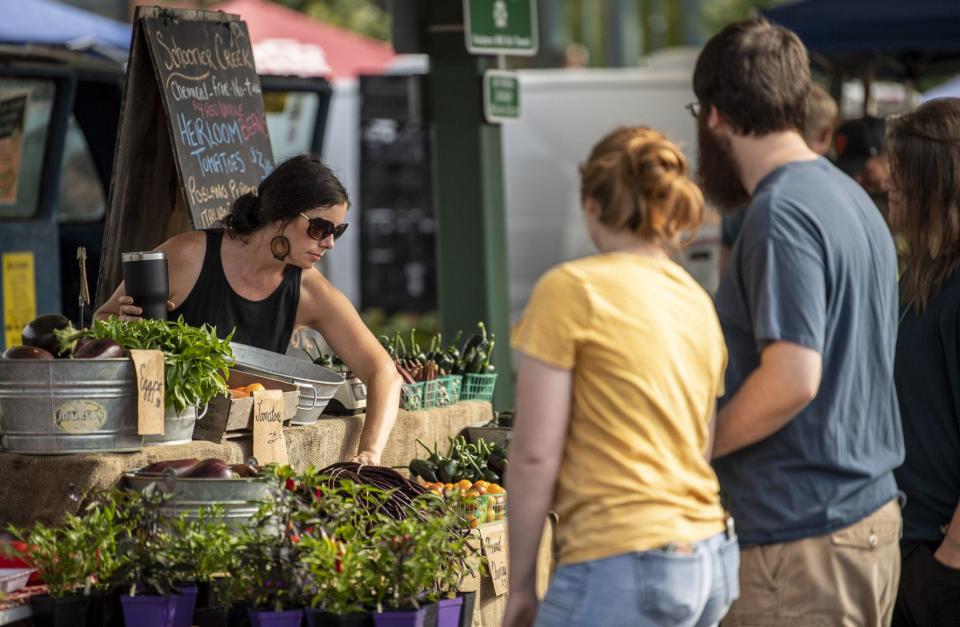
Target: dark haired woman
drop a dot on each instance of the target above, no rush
(924, 204)
(257, 275)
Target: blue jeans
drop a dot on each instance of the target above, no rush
(657, 588)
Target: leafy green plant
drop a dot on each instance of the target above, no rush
(62, 555)
(153, 566)
(268, 566)
(202, 544)
(196, 362)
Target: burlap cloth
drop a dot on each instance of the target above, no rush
(45, 487)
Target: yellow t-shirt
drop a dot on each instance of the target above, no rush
(648, 356)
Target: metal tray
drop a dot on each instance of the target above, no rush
(317, 384)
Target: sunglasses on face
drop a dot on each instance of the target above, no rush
(321, 229)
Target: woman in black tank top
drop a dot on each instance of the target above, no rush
(256, 278)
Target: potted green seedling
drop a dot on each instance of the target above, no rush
(64, 558)
(268, 564)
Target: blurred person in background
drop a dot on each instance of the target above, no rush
(621, 360)
(924, 203)
(858, 145)
(808, 432)
(818, 126)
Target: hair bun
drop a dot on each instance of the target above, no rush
(244, 217)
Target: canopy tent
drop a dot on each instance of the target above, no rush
(898, 38)
(53, 23)
(287, 42)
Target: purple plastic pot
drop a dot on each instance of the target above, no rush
(407, 618)
(267, 618)
(448, 612)
(186, 603)
(320, 618)
(148, 610)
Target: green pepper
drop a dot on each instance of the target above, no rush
(424, 469)
(448, 470)
(491, 476)
(497, 462)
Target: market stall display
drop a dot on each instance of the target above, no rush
(318, 542)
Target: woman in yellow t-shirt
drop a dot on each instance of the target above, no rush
(621, 360)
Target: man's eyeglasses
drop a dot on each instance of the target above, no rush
(694, 109)
(321, 229)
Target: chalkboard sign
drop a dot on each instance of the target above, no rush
(214, 107)
(192, 136)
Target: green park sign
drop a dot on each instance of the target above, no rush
(501, 26)
(501, 96)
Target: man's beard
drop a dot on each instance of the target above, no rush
(719, 172)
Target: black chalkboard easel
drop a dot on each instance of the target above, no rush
(193, 132)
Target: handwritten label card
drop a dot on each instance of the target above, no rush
(493, 538)
(150, 391)
(269, 445)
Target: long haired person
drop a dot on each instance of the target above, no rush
(924, 204)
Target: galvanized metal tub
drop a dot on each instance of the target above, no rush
(177, 427)
(317, 384)
(238, 497)
(68, 406)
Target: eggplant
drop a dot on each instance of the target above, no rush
(27, 352)
(39, 332)
(245, 470)
(104, 348)
(212, 468)
(177, 467)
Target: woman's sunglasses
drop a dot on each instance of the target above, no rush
(322, 229)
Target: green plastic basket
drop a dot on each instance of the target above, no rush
(411, 396)
(441, 392)
(478, 387)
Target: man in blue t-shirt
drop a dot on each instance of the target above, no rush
(808, 433)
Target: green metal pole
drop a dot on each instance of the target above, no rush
(468, 192)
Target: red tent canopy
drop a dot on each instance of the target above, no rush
(287, 42)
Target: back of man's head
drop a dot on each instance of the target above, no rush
(757, 75)
(821, 120)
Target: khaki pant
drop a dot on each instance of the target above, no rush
(847, 578)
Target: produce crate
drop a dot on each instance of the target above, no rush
(441, 392)
(479, 511)
(478, 387)
(233, 417)
(496, 507)
(411, 396)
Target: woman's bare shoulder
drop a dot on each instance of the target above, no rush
(185, 250)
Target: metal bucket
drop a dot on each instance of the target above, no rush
(239, 497)
(177, 427)
(317, 384)
(68, 406)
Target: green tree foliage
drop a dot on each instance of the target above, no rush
(367, 17)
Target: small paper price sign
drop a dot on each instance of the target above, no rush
(269, 445)
(493, 538)
(151, 391)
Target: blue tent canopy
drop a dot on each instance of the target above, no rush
(916, 35)
(54, 23)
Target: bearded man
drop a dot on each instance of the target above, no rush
(808, 433)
